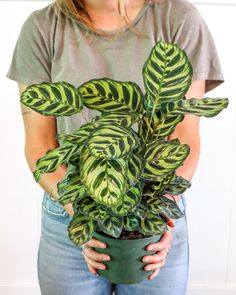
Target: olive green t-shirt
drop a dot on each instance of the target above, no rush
(52, 47)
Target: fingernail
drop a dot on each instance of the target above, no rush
(145, 259)
(148, 268)
(106, 258)
(150, 248)
(102, 267)
(102, 245)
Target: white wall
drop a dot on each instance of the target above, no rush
(211, 201)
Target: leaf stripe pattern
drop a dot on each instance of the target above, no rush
(52, 159)
(167, 75)
(152, 224)
(81, 229)
(53, 99)
(105, 180)
(207, 107)
(107, 95)
(70, 188)
(111, 142)
(128, 201)
(162, 158)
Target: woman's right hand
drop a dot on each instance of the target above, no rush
(93, 258)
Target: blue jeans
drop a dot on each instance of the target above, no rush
(62, 269)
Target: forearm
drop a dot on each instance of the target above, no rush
(48, 179)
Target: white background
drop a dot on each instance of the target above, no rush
(211, 201)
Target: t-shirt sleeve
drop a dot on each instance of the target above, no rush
(191, 33)
(31, 61)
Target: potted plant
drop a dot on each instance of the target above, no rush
(121, 163)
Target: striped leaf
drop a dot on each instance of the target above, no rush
(140, 210)
(111, 141)
(70, 188)
(162, 158)
(105, 180)
(177, 186)
(160, 186)
(135, 169)
(91, 209)
(107, 95)
(131, 222)
(128, 201)
(156, 204)
(112, 226)
(81, 229)
(159, 127)
(80, 136)
(172, 209)
(53, 99)
(52, 159)
(152, 224)
(121, 118)
(207, 107)
(167, 75)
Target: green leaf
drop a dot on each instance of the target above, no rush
(207, 107)
(162, 158)
(105, 180)
(111, 141)
(70, 188)
(167, 75)
(135, 169)
(152, 224)
(177, 186)
(53, 99)
(91, 209)
(172, 209)
(140, 210)
(156, 204)
(81, 229)
(160, 186)
(107, 95)
(52, 159)
(128, 201)
(112, 226)
(121, 118)
(80, 136)
(131, 222)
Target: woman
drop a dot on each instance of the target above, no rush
(74, 41)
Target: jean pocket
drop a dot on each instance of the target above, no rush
(53, 208)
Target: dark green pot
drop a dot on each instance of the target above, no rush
(125, 266)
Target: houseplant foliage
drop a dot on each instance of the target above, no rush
(117, 177)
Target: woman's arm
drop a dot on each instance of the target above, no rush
(40, 136)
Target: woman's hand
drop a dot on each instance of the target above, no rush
(94, 258)
(156, 261)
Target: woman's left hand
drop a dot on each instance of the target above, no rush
(156, 261)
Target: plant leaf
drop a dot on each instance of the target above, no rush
(88, 207)
(207, 107)
(128, 200)
(167, 75)
(112, 226)
(177, 186)
(152, 224)
(172, 209)
(81, 229)
(107, 95)
(125, 119)
(162, 158)
(105, 180)
(52, 159)
(131, 222)
(70, 188)
(53, 99)
(111, 141)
